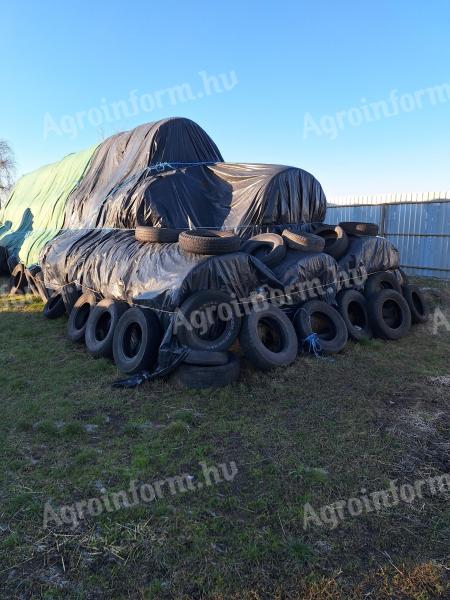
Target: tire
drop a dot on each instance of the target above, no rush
(352, 306)
(18, 280)
(259, 244)
(384, 280)
(79, 315)
(101, 325)
(203, 358)
(156, 234)
(40, 286)
(268, 339)
(209, 242)
(307, 242)
(359, 229)
(316, 226)
(417, 303)
(70, 294)
(213, 334)
(336, 240)
(136, 340)
(30, 278)
(203, 377)
(54, 307)
(389, 315)
(322, 319)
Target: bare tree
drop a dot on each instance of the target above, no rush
(7, 167)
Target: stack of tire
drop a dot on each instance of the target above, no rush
(267, 337)
(110, 328)
(27, 279)
(132, 335)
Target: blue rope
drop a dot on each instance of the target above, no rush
(313, 345)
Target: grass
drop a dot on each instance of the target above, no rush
(316, 432)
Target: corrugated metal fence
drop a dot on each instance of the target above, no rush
(418, 225)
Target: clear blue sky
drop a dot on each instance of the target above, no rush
(293, 61)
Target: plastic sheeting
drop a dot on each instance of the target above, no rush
(308, 275)
(372, 253)
(171, 174)
(113, 263)
(112, 192)
(248, 198)
(34, 212)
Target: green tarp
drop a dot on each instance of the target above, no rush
(34, 212)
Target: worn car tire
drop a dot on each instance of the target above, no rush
(359, 229)
(268, 339)
(203, 377)
(101, 325)
(269, 248)
(70, 294)
(316, 316)
(40, 286)
(383, 280)
(336, 240)
(306, 242)
(220, 334)
(352, 306)
(389, 315)
(161, 235)
(209, 242)
(205, 358)
(79, 315)
(18, 280)
(417, 303)
(30, 277)
(54, 307)
(136, 340)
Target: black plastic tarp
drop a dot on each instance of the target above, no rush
(113, 263)
(306, 275)
(110, 193)
(171, 174)
(247, 198)
(371, 253)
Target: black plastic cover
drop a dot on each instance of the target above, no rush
(247, 198)
(111, 191)
(372, 253)
(171, 174)
(113, 263)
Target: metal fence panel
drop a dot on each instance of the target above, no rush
(420, 230)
